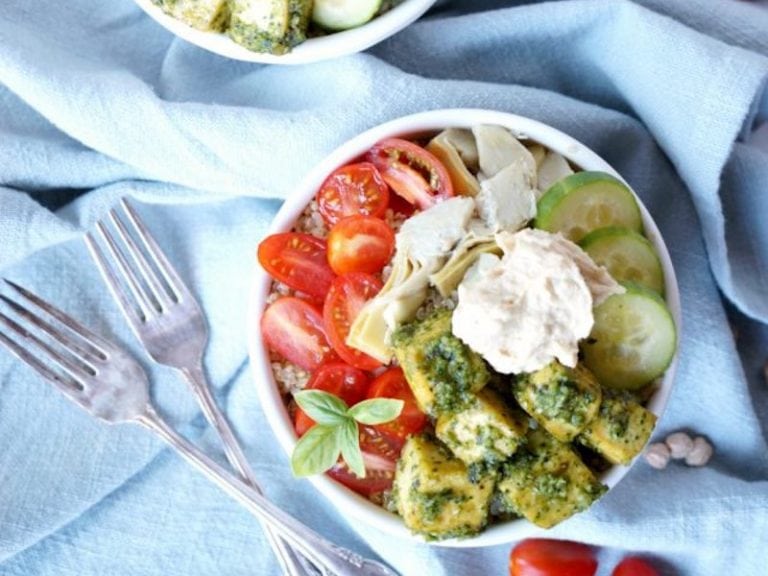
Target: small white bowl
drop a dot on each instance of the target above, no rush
(410, 126)
(332, 45)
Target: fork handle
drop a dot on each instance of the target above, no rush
(199, 383)
(291, 563)
(323, 553)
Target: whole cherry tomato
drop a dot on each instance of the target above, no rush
(545, 557)
(634, 566)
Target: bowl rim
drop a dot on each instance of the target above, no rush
(311, 50)
(412, 126)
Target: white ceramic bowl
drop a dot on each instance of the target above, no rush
(314, 49)
(414, 125)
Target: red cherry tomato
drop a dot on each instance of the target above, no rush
(392, 384)
(294, 329)
(634, 566)
(342, 380)
(297, 260)
(544, 557)
(360, 244)
(411, 171)
(345, 299)
(379, 456)
(400, 205)
(351, 190)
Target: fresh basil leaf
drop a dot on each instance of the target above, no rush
(376, 410)
(322, 407)
(350, 448)
(317, 450)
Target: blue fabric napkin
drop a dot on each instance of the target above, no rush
(98, 102)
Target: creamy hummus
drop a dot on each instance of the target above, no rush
(532, 305)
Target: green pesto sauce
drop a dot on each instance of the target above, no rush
(551, 486)
(563, 400)
(431, 505)
(617, 421)
(482, 471)
(454, 371)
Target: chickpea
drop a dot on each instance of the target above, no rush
(700, 453)
(679, 444)
(657, 455)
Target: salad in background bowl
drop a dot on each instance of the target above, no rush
(478, 319)
(284, 31)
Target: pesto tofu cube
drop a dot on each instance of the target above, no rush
(620, 430)
(487, 431)
(546, 482)
(442, 371)
(206, 15)
(562, 399)
(433, 493)
(272, 26)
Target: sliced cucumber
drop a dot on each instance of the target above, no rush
(343, 14)
(586, 201)
(633, 340)
(628, 256)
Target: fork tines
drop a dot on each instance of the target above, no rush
(152, 283)
(48, 340)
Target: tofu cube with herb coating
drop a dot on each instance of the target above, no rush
(620, 430)
(206, 15)
(271, 26)
(442, 371)
(562, 399)
(546, 482)
(433, 493)
(487, 431)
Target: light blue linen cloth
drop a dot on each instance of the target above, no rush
(97, 101)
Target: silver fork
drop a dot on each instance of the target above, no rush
(168, 321)
(108, 383)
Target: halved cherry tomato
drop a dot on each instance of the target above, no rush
(544, 557)
(350, 190)
(297, 260)
(294, 329)
(360, 244)
(411, 171)
(400, 205)
(338, 378)
(379, 456)
(634, 566)
(345, 299)
(392, 384)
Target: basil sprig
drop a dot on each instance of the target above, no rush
(336, 432)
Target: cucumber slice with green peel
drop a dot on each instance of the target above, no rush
(633, 339)
(586, 201)
(343, 14)
(627, 255)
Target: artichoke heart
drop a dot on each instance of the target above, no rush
(448, 278)
(455, 148)
(424, 243)
(498, 149)
(403, 293)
